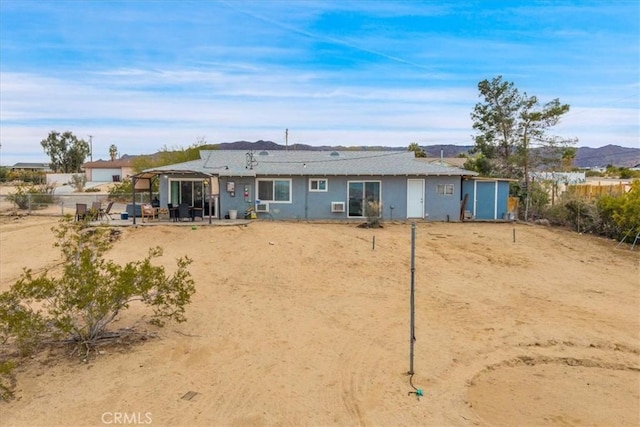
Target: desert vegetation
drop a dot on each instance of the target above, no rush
(77, 305)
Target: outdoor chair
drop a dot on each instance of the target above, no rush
(173, 211)
(96, 207)
(183, 212)
(148, 211)
(81, 211)
(107, 212)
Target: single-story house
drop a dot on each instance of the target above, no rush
(311, 185)
(31, 167)
(108, 170)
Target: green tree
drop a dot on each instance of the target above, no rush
(171, 155)
(568, 156)
(512, 130)
(67, 153)
(510, 125)
(480, 164)
(82, 300)
(417, 150)
(113, 152)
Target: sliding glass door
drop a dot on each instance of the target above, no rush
(364, 198)
(189, 191)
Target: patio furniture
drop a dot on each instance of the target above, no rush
(81, 211)
(148, 211)
(131, 212)
(196, 212)
(106, 212)
(183, 212)
(173, 211)
(94, 212)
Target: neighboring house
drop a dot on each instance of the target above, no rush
(566, 178)
(108, 170)
(32, 167)
(311, 184)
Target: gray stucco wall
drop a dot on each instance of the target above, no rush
(440, 207)
(317, 205)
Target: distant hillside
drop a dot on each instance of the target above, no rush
(607, 155)
(270, 145)
(586, 156)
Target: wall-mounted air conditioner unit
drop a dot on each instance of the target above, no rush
(337, 206)
(262, 207)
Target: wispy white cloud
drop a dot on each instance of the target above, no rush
(144, 74)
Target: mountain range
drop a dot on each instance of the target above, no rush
(586, 157)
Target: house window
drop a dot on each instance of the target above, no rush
(445, 189)
(274, 190)
(318, 184)
(363, 197)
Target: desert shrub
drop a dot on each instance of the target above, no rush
(78, 182)
(538, 198)
(20, 323)
(81, 302)
(624, 210)
(7, 380)
(25, 176)
(121, 191)
(612, 216)
(27, 194)
(593, 173)
(557, 214)
(372, 212)
(582, 215)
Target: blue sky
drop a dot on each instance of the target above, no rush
(147, 74)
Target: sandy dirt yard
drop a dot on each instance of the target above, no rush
(308, 324)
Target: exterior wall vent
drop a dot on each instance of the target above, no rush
(262, 207)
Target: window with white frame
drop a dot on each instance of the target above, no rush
(274, 190)
(445, 189)
(318, 184)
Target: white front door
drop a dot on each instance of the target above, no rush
(415, 198)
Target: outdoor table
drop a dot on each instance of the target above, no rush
(195, 212)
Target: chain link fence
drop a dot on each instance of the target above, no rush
(46, 204)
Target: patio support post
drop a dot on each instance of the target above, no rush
(134, 180)
(210, 196)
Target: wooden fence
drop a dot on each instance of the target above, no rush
(593, 191)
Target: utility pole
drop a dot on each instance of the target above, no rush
(286, 139)
(91, 147)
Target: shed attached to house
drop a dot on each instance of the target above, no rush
(315, 184)
(487, 198)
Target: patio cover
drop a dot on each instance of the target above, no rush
(152, 174)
